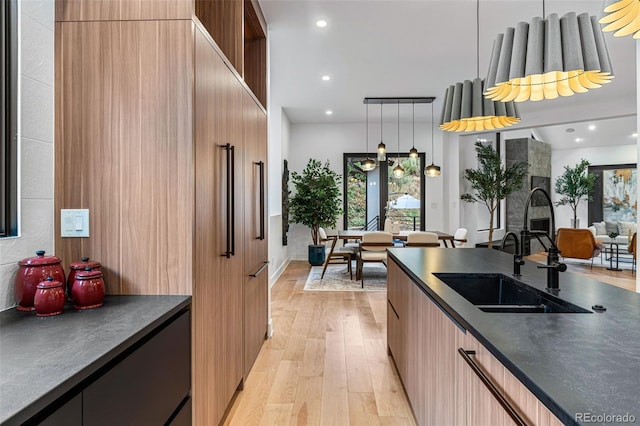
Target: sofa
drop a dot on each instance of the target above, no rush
(601, 231)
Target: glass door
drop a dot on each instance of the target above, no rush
(371, 197)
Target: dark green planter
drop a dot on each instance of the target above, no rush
(316, 255)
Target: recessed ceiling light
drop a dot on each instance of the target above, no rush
(321, 23)
(571, 130)
(326, 77)
(592, 127)
(578, 140)
(634, 135)
(328, 112)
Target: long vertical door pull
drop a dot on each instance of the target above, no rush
(260, 165)
(230, 231)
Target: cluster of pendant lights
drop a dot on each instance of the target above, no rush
(543, 59)
(398, 171)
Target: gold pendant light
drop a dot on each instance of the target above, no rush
(548, 58)
(368, 164)
(398, 170)
(382, 149)
(465, 109)
(432, 170)
(623, 18)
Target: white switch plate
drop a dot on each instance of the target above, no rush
(74, 222)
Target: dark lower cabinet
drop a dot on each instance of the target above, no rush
(70, 414)
(150, 385)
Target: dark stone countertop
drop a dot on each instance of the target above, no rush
(574, 363)
(42, 358)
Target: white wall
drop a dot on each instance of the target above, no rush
(330, 141)
(620, 154)
(35, 164)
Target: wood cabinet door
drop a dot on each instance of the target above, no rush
(217, 287)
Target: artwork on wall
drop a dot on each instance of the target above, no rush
(285, 202)
(615, 198)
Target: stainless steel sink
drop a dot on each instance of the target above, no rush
(501, 293)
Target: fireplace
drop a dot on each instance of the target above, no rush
(541, 224)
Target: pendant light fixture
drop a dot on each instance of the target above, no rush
(398, 171)
(465, 109)
(413, 152)
(432, 170)
(623, 18)
(547, 58)
(382, 149)
(368, 164)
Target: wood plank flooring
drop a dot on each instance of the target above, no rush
(326, 363)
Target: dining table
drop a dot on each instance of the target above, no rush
(356, 234)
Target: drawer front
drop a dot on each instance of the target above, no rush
(148, 385)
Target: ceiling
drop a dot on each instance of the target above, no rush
(397, 48)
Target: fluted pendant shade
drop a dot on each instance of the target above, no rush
(623, 17)
(548, 58)
(465, 109)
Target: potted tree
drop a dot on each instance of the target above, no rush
(492, 182)
(316, 202)
(574, 185)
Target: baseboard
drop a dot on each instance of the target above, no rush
(270, 329)
(278, 272)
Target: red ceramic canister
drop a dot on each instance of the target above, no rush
(88, 289)
(32, 272)
(80, 266)
(49, 298)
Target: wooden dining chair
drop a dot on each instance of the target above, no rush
(343, 255)
(373, 248)
(422, 239)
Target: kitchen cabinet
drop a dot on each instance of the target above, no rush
(441, 387)
(147, 384)
(161, 138)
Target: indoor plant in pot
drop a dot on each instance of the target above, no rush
(492, 182)
(316, 202)
(574, 185)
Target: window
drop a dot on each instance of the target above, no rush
(371, 197)
(8, 120)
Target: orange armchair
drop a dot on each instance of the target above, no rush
(577, 244)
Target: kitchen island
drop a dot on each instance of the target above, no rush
(127, 361)
(570, 368)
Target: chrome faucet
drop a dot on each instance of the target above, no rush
(517, 256)
(553, 266)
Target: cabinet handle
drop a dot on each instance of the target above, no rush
(260, 165)
(492, 388)
(259, 271)
(231, 223)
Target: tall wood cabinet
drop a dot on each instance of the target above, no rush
(161, 138)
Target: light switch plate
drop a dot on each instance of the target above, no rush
(74, 222)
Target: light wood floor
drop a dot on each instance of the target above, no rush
(326, 364)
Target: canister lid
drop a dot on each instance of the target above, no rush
(40, 259)
(49, 283)
(88, 274)
(85, 263)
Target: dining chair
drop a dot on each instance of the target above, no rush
(373, 248)
(632, 249)
(460, 238)
(343, 255)
(422, 239)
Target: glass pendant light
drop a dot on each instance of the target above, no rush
(368, 164)
(413, 152)
(398, 171)
(432, 170)
(382, 149)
